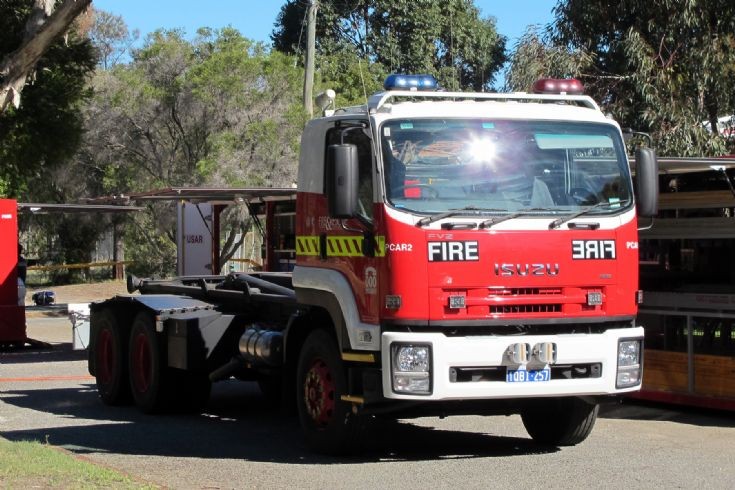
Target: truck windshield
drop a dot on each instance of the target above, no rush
(504, 166)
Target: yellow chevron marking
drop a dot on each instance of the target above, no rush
(338, 246)
(307, 245)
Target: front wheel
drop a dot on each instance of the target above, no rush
(327, 422)
(559, 421)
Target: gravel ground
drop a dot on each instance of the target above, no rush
(242, 442)
(81, 293)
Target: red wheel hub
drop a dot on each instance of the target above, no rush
(142, 368)
(319, 393)
(105, 359)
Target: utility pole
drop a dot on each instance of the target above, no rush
(309, 63)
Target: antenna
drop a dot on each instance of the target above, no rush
(301, 32)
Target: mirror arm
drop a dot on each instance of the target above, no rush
(366, 223)
(650, 225)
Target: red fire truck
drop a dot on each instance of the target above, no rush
(454, 253)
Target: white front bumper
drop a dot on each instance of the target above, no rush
(489, 351)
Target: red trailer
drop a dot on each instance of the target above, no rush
(12, 314)
(688, 277)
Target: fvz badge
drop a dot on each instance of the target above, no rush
(593, 249)
(453, 251)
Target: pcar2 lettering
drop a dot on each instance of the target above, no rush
(400, 247)
(526, 269)
(593, 249)
(453, 251)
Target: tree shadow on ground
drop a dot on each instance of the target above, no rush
(56, 353)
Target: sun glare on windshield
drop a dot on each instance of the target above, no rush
(482, 150)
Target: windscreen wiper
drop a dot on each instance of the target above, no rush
(560, 221)
(465, 211)
(524, 212)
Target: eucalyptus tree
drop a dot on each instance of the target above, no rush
(447, 39)
(43, 23)
(218, 110)
(536, 56)
(44, 128)
(111, 38)
(661, 66)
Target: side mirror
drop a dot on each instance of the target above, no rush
(646, 179)
(342, 180)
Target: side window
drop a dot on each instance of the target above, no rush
(358, 138)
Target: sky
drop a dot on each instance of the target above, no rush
(255, 18)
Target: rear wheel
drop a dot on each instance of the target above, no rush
(327, 422)
(149, 380)
(559, 421)
(110, 361)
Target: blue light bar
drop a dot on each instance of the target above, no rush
(410, 82)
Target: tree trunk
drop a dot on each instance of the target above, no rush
(710, 105)
(41, 31)
(118, 254)
(233, 243)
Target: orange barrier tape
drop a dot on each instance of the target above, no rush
(76, 266)
(246, 261)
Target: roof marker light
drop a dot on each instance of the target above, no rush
(569, 86)
(410, 82)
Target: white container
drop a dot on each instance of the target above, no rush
(21, 292)
(79, 317)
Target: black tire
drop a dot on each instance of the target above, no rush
(327, 422)
(110, 360)
(150, 380)
(559, 421)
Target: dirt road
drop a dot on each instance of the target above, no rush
(81, 293)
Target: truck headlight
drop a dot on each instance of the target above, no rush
(411, 368)
(629, 363)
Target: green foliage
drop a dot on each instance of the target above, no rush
(536, 56)
(218, 110)
(111, 38)
(46, 129)
(41, 137)
(352, 78)
(659, 66)
(447, 39)
(73, 244)
(150, 242)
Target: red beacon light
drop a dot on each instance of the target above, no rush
(558, 86)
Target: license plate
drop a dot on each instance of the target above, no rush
(527, 375)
